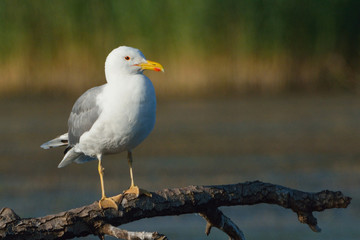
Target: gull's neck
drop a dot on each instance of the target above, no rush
(119, 77)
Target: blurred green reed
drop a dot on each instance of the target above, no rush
(252, 46)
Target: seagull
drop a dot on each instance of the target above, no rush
(112, 118)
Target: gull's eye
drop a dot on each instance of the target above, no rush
(127, 58)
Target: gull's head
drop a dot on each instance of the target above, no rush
(124, 61)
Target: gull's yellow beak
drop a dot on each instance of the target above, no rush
(150, 65)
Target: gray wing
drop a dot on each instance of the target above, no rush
(83, 115)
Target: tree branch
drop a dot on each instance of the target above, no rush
(110, 230)
(205, 200)
(214, 217)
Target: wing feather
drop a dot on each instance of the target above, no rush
(84, 114)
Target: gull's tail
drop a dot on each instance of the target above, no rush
(72, 156)
(59, 141)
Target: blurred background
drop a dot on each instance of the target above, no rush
(252, 90)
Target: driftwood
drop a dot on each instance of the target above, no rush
(204, 200)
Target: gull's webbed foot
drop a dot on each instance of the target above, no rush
(137, 191)
(113, 202)
(108, 203)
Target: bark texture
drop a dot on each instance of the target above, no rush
(205, 200)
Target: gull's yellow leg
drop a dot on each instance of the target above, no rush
(130, 167)
(134, 189)
(101, 173)
(104, 201)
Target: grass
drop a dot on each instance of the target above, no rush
(207, 47)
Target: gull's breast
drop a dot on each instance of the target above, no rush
(128, 117)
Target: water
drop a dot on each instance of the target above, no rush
(303, 142)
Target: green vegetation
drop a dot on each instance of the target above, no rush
(206, 46)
